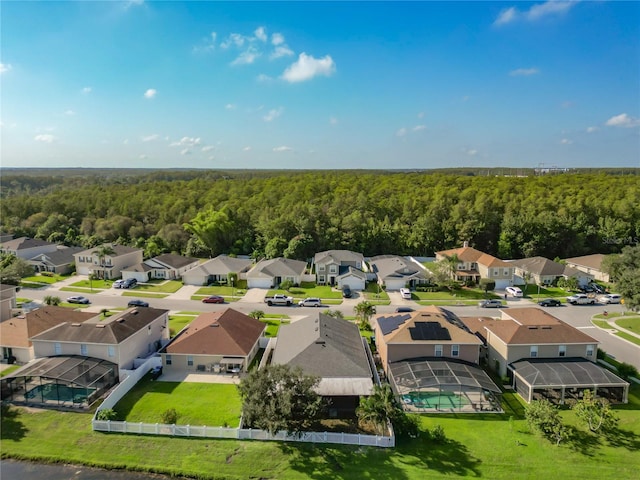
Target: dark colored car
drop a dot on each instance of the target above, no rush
(492, 303)
(404, 309)
(138, 303)
(550, 302)
(213, 299)
(129, 283)
(78, 299)
(156, 372)
(346, 291)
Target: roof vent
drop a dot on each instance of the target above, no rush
(76, 324)
(215, 325)
(533, 328)
(320, 342)
(100, 325)
(120, 320)
(546, 328)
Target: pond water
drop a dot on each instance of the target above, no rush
(10, 470)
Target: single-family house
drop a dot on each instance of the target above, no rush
(431, 360)
(271, 273)
(110, 266)
(591, 265)
(59, 261)
(15, 333)
(217, 270)
(395, 272)
(7, 301)
(121, 338)
(333, 350)
(26, 248)
(544, 356)
(167, 266)
(217, 342)
(542, 271)
(340, 267)
(474, 265)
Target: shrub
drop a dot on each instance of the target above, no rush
(107, 414)
(286, 285)
(601, 354)
(627, 371)
(47, 274)
(170, 416)
(438, 435)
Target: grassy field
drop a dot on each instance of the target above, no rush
(95, 284)
(376, 295)
(479, 445)
(43, 279)
(208, 404)
(9, 370)
(545, 292)
(630, 323)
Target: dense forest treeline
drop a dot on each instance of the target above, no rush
(296, 214)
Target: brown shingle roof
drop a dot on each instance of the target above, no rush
(470, 254)
(227, 332)
(590, 261)
(16, 331)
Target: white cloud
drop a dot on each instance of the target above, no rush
(207, 148)
(45, 138)
(230, 106)
(282, 148)
(208, 44)
(592, 129)
(264, 78)
(417, 128)
(247, 57)
(185, 151)
(150, 138)
(506, 16)
(260, 34)
(333, 121)
(5, 67)
(277, 39)
(150, 93)
(623, 120)
(523, 72)
(472, 152)
(281, 51)
(308, 67)
(234, 39)
(186, 142)
(69, 112)
(273, 114)
(246, 149)
(536, 12)
(86, 90)
(566, 141)
(402, 132)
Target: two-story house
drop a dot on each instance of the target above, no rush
(26, 248)
(474, 265)
(591, 265)
(110, 265)
(340, 267)
(544, 356)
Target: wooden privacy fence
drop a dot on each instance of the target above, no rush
(241, 433)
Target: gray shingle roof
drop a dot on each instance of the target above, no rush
(63, 256)
(23, 243)
(394, 266)
(277, 267)
(338, 256)
(175, 261)
(222, 265)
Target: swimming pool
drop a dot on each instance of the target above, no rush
(438, 400)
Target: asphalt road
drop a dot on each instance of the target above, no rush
(577, 316)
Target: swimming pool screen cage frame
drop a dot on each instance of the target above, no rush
(86, 377)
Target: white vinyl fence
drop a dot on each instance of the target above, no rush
(241, 433)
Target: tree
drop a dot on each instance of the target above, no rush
(595, 413)
(257, 314)
(381, 407)
(278, 397)
(542, 416)
(487, 285)
(626, 371)
(364, 310)
(51, 300)
(214, 229)
(13, 269)
(628, 276)
(334, 313)
(102, 252)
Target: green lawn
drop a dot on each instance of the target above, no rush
(305, 290)
(628, 337)
(375, 295)
(462, 294)
(601, 324)
(160, 286)
(178, 322)
(486, 446)
(9, 370)
(210, 404)
(273, 326)
(630, 323)
(545, 292)
(95, 284)
(43, 279)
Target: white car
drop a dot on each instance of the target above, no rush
(405, 293)
(310, 302)
(514, 291)
(610, 298)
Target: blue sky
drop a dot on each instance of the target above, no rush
(320, 84)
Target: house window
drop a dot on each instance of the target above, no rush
(57, 349)
(333, 269)
(321, 279)
(562, 351)
(111, 351)
(149, 330)
(533, 351)
(505, 272)
(83, 350)
(455, 350)
(190, 361)
(167, 359)
(321, 268)
(590, 350)
(496, 272)
(438, 351)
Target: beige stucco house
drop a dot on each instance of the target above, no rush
(591, 265)
(111, 266)
(474, 265)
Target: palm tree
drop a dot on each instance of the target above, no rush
(364, 310)
(102, 252)
(379, 407)
(51, 300)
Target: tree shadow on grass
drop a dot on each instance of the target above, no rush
(347, 461)
(11, 428)
(624, 439)
(583, 442)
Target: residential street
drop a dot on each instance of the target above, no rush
(577, 316)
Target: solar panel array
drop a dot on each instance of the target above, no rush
(429, 331)
(389, 324)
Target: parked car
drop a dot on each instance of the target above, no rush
(598, 288)
(346, 291)
(78, 299)
(491, 303)
(514, 291)
(213, 299)
(404, 309)
(118, 283)
(550, 302)
(310, 302)
(610, 298)
(405, 293)
(137, 303)
(279, 299)
(156, 372)
(581, 299)
(129, 283)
